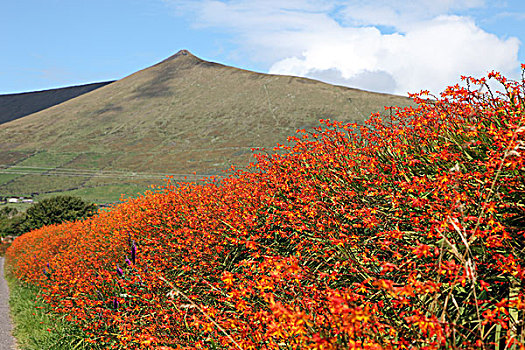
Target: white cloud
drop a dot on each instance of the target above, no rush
(341, 41)
(402, 14)
(430, 56)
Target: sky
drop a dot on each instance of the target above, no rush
(391, 46)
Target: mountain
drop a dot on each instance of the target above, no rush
(181, 116)
(14, 106)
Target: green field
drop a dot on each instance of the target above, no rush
(102, 194)
(46, 174)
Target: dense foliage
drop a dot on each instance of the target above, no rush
(401, 233)
(53, 210)
(56, 210)
(11, 221)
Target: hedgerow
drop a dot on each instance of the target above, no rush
(404, 232)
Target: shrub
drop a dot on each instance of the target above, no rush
(56, 210)
(11, 222)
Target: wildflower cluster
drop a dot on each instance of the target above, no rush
(404, 232)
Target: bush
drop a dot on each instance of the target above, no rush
(11, 222)
(56, 210)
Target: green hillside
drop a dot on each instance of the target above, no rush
(181, 116)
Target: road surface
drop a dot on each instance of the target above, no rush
(7, 341)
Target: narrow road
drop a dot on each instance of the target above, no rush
(7, 341)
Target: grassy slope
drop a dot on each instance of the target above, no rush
(180, 116)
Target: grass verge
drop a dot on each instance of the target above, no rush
(34, 326)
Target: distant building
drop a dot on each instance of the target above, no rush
(19, 200)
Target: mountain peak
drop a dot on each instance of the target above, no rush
(182, 56)
(183, 52)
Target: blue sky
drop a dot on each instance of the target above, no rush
(382, 45)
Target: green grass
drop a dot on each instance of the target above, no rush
(47, 174)
(48, 159)
(4, 178)
(102, 194)
(34, 327)
(28, 184)
(27, 175)
(18, 206)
